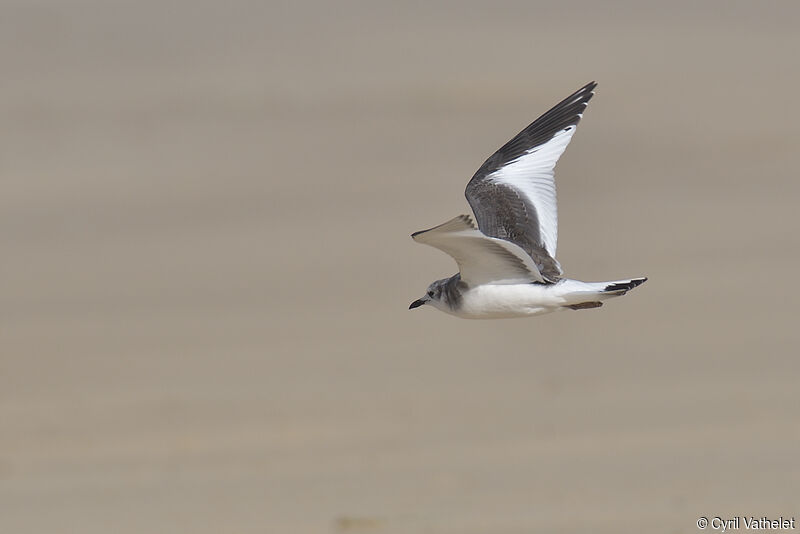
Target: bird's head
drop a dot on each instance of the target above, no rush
(436, 296)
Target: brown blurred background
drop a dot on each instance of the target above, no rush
(205, 213)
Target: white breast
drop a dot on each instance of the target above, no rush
(503, 301)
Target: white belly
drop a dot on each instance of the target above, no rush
(504, 301)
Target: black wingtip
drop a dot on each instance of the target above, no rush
(625, 286)
(563, 116)
(587, 90)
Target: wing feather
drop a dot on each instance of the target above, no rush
(513, 194)
(481, 259)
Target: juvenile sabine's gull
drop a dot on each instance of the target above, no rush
(507, 265)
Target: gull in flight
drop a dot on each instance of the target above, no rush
(507, 265)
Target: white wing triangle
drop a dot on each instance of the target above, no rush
(532, 175)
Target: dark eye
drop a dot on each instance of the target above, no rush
(430, 293)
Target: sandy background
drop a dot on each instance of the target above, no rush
(206, 266)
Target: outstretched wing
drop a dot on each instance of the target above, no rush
(513, 194)
(480, 259)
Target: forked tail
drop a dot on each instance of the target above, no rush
(586, 295)
(620, 287)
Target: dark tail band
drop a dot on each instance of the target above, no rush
(623, 287)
